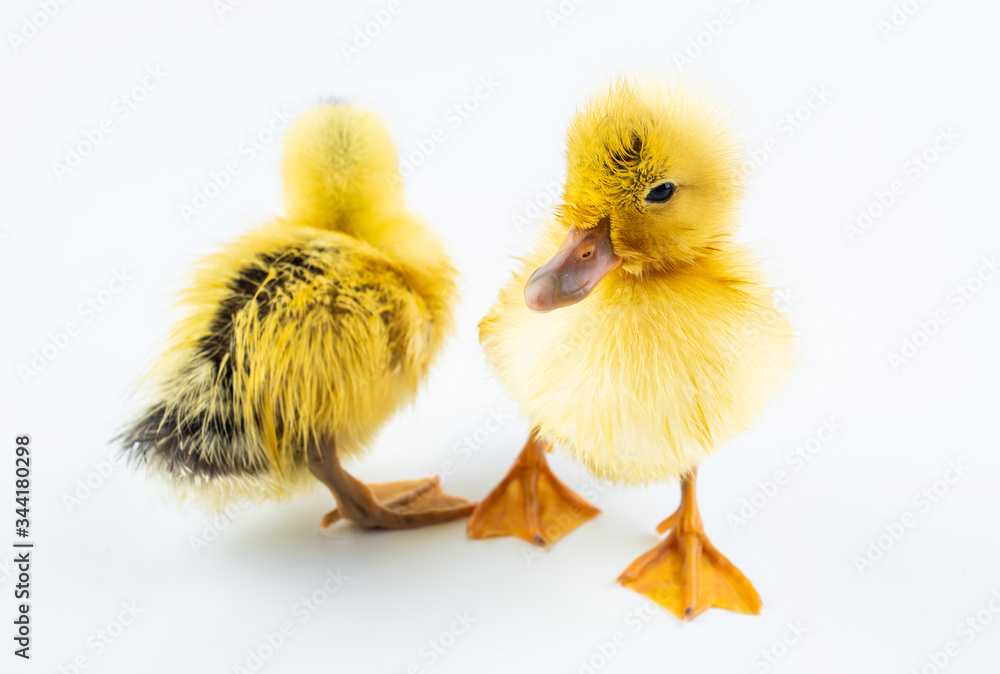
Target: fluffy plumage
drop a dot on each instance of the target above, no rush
(679, 348)
(319, 325)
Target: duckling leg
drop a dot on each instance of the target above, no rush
(530, 502)
(685, 574)
(391, 505)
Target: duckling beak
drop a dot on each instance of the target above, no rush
(585, 257)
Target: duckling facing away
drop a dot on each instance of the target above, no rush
(665, 344)
(302, 338)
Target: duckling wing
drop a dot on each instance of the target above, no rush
(289, 337)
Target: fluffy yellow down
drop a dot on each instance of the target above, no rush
(317, 326)
(677, 350)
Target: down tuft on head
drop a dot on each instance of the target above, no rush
(340, 170)
(635, 134)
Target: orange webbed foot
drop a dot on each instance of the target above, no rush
(409, 504)
(530, 502)
(685, 574)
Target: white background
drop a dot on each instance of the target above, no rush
(852, 303)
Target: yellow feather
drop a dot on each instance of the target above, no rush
(677, 350)
(318, 325)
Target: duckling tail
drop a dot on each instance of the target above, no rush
(199, 449)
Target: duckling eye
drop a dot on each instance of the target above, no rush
(660, 193)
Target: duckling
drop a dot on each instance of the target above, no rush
(302, 338)
(638, 335)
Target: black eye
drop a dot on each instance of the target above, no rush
(660, 193)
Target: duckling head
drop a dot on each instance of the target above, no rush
(340, 170)
(653, 181)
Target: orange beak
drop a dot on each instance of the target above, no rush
(585, 257)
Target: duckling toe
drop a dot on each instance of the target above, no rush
(530, 503)
(686, 575)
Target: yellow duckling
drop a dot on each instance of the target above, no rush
(300, 339)
(664, 344)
